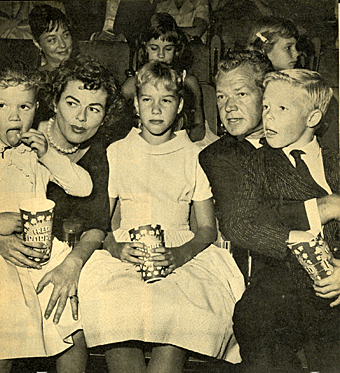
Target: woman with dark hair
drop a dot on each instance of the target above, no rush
(86, 101)
(51, 32)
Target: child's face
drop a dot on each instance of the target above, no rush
(157, 108)
(57, 45)
(285, 115)
(284, 55)
(160, 50)
(80, 112)
(17, 109)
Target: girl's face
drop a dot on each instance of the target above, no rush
(79, 113)
(284, 55)
(17, 109)
(56, 45)
(160, 50)
(157, 108)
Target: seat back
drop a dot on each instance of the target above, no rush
(20, 50)
(113, 55)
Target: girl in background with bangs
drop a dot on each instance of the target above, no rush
(163, 41)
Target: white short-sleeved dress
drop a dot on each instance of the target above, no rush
(191, 308)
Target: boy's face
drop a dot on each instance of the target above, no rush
(239, 100)
(284, 55)
(160, 50)
(57, 45)
(157, 108)
(285, 115)
(17, 109)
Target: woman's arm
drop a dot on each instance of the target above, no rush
(197, 129)
(129, 88)
(65, 277)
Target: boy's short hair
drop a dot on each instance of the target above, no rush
(318, 93)
(257, 62)
(13, 73)
(45, 18)
(266, 31)
(157, 73)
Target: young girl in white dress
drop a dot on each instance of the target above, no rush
(156, 176)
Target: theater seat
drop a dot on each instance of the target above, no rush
(20, 50)
(113, 55)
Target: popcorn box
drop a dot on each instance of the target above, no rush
(36, 220)
(152, 237)
(314, 256)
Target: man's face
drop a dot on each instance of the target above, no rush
(239, 100)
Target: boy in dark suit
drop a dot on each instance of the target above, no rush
(282, 308)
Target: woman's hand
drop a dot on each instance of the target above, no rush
(329, 287)
(16, 251)
(130, 252)
(10, 222)
(35, 140)
(65, 284)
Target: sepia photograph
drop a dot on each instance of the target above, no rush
(218, 249)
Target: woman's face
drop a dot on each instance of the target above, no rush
(56, 45)
(160, 50)
(79, 112)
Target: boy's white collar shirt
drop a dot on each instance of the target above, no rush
(314, 162)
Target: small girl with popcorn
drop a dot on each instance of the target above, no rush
(156, 177)
(27, 164)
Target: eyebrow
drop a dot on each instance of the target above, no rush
(91, 104)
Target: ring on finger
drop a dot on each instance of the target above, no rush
(74, 298)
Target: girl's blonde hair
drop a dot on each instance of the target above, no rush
(266, 31)
(156, 73)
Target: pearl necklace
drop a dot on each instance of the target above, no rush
(56, 146)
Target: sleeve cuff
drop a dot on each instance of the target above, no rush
(313, 216)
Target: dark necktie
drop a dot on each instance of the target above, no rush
(302, 168)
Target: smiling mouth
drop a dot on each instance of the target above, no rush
(233, 120)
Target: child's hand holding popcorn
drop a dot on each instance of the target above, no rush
(329, 287)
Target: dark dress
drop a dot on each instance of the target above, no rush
(94, 210)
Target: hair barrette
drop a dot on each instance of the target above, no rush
(261, 37)
(184, 74)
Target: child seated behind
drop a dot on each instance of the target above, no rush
(276, 38)
(282, 308)
(27, 164)
(163, 41)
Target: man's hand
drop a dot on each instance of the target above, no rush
(16, 251)
(10, 222)
(329, 208)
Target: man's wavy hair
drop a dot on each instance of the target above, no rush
(94, 76)
(259, 64)
(266, 31)
(162, 26)
(15, 72)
